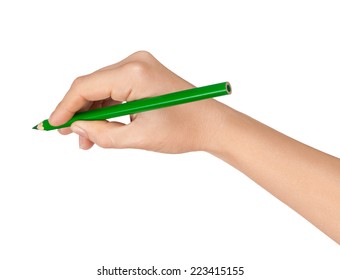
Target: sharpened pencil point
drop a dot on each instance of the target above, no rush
(39, 126)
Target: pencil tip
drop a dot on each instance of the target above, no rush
(39, 126)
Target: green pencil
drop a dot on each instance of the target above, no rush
(145, 104)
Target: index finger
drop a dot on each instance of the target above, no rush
(96, 86)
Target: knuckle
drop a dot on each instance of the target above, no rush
(138, 68)
(143, 55)
(77, 82)
(140, 65)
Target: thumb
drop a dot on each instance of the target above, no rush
(103, 133)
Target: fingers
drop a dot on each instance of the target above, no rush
(115, 81)
(65, 131)
(93, 87)
(85, 143)
(102, 133)
(126, 80)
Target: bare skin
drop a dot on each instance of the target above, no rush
(305, 179)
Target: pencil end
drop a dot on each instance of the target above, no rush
(35, 127)
(228, 88)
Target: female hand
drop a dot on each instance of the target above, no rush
(176, 129)
(304, 178)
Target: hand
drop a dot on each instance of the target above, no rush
(176, 129)
(304, 178)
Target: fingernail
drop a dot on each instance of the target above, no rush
(78, 130)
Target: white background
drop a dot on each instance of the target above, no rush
(66, 212)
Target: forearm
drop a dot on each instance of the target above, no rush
(304, 178)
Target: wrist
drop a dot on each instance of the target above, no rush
(216, 128)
